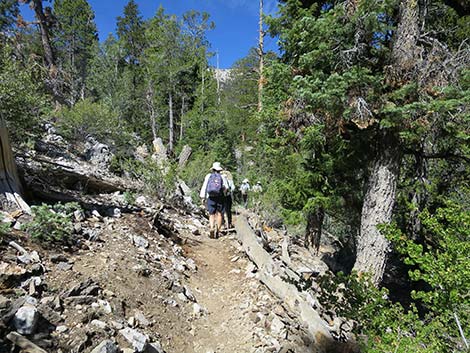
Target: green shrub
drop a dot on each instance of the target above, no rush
(22, 104)
(129, 197)
(441, 263)
(4, 226)
(90, 118)
(52, 223)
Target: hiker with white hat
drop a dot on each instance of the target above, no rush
(213, 194)
(244, 189)
(258, 188)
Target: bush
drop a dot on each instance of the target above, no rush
(441, 263)
(21, 102)
(52, 223)
(4, 226)
(90, 118)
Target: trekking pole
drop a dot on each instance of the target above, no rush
(460, 330)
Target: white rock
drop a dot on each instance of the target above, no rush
(79, 215)
(141, 201)
(138, 340)
(61, 329)
(182, 297)
(140, 242)
(191, 264)
(198, 310)
(97, 214)
(98, 323)
(117, 212)
(189, 294)
(26, 319)
(105, 306)
(139, 316)
(107, 346)
(277, 326)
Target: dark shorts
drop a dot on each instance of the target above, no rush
(215, 204)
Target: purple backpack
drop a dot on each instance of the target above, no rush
(215, 185)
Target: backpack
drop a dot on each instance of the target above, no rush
(215, 185)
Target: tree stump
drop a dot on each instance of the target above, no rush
(11, 190)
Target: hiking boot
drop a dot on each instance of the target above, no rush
(211, 233)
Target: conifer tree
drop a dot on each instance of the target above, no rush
(75, 38)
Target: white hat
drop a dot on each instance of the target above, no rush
(258, 182)
(216, 166)
(245, 180)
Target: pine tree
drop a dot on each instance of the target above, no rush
(9, 11)
(365, 71)
(75, 39)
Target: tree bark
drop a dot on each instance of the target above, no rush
(151, 108)
(406, 54)
(182, 118)
(10, 186)
(172, 130)
(261, 57)
(45, 38)
(372, 246)
(314, 229)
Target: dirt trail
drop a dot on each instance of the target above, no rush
(223, 289)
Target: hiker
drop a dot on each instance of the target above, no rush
(228, 197)
(212, 193)
(258, 189)
(244, 189)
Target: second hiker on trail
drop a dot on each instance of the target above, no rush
(213, 193)
(229, 198)
(244, 188)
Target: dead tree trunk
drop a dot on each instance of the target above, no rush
(261, 57)
(10, 187)
(45, 38)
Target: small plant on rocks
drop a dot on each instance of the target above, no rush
(52, 223)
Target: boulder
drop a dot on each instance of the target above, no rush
(138, 340)
(26, 319)
(107, 346)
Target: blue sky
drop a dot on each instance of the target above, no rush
(236, 22)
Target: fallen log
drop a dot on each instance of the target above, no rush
(273, 275)
(26, 345)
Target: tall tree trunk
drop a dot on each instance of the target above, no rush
(45, 38)
(181, 119)
(418, 194)
(172, 129)
(151, 109)
(202, 91)
(372, 247)
(217, 78)
(10, 186)
(261, 57)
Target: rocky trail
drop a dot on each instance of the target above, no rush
(145, 277)
(132, 288)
